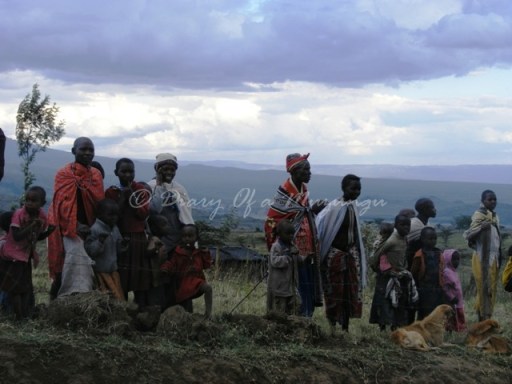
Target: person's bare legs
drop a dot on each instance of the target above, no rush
(207, 290)
(17, 305)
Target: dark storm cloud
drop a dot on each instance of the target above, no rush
(224, 44)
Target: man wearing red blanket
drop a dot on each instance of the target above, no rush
(77, 189)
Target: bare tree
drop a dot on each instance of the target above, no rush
(36, 129)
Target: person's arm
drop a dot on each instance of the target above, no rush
(449, 290)
(184, 206)
(21, 233)
(170, 266)
(479, 223)
(139, 201)
(154, 246)
(43, 235)
(156, 204)
(122, 243)
(82, 230)
(277, 258)
(2, 153)
(416, 267)
(206, 258)
(95, 244)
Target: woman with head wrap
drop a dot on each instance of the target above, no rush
(170, 199)
(291, 202)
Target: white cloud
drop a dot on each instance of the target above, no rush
(387, 81)
(367, 125)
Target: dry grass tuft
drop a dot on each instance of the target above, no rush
(95, 312)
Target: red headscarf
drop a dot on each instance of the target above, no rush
(294, 159)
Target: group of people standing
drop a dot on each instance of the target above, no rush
(326, 248)
(140, 237)
(132, 237)
(317, 257)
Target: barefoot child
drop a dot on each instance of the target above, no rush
(29, 224)
(103, 245)
(453, 290)
(283, 271)
(187, 264)
(427, 268)
(394, 289)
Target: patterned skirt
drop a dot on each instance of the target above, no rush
(342, 285)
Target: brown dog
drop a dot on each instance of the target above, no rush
(409, 340)
(484, 335)
(431, 329)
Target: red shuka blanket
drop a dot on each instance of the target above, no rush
(72, 179)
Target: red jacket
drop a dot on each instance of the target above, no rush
(187, 266)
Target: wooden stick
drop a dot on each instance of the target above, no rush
(486, 284)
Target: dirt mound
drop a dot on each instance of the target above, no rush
(180, 326)
(99, 313)
(276, 328)
(94, 339)
(183, 327)
(105, 360)
(93, 311)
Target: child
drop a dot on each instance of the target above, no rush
(385, 231)
(103, 245)
(134, 266)
(5, 223)
(427, 268)
(485, 263)
(283, 271)
(453, 290)
(187, 264)
(29, 224)
(394, 288)
(163, 290)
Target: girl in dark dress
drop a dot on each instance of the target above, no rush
(133, 200)
(427, 269)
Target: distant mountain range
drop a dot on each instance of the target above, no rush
(218, 186)
(494, 174)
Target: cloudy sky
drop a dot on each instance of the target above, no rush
(350, 81)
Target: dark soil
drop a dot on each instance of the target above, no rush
(184, 348)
